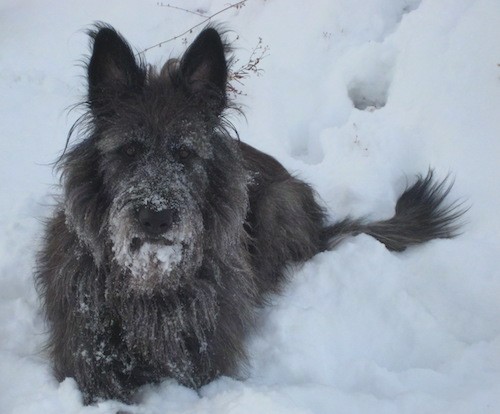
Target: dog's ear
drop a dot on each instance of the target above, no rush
(112, 66)
(204, 68)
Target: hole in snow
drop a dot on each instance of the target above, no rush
(368, 96)
(370, 77)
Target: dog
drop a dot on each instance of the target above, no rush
(171, 232)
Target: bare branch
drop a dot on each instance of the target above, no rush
(197, 13)
(237, 5)
(259, 52)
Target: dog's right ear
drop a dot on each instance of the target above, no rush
(204, 68)
(112, 68)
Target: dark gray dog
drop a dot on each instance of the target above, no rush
(170, 232)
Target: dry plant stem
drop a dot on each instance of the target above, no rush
(259, 52)
(182, 9)
(207, 19)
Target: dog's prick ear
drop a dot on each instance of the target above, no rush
(204, 66)
(112, 64)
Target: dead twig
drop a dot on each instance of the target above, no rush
(197, 13)
(259, 52)
(237, 5)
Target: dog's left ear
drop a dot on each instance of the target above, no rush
(204, 68)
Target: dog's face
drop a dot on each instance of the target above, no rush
(155, 143)
(157, 183)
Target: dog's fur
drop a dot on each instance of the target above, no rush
(170, 232)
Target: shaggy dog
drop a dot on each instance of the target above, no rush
(170, 232)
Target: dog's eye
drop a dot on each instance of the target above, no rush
(131, 150)
(184, 152)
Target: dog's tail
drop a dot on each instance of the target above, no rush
(421, 215)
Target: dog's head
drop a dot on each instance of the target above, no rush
(158, 176)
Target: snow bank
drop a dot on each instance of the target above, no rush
(356, 98)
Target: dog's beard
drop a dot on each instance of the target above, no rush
(145, 258)
(151, 262)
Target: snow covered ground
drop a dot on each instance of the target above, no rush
(356, 97)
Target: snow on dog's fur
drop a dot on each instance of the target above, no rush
(170, 232)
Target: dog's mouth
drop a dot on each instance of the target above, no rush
(137, 243)
(149, 258)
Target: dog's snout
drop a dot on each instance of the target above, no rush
(155, 222)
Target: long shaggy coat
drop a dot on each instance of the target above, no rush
(170, 232)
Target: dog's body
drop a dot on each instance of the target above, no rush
(171, 232)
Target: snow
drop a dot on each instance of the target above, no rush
(153, 255)
(356, 97)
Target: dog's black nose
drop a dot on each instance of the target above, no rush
(155, 222)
